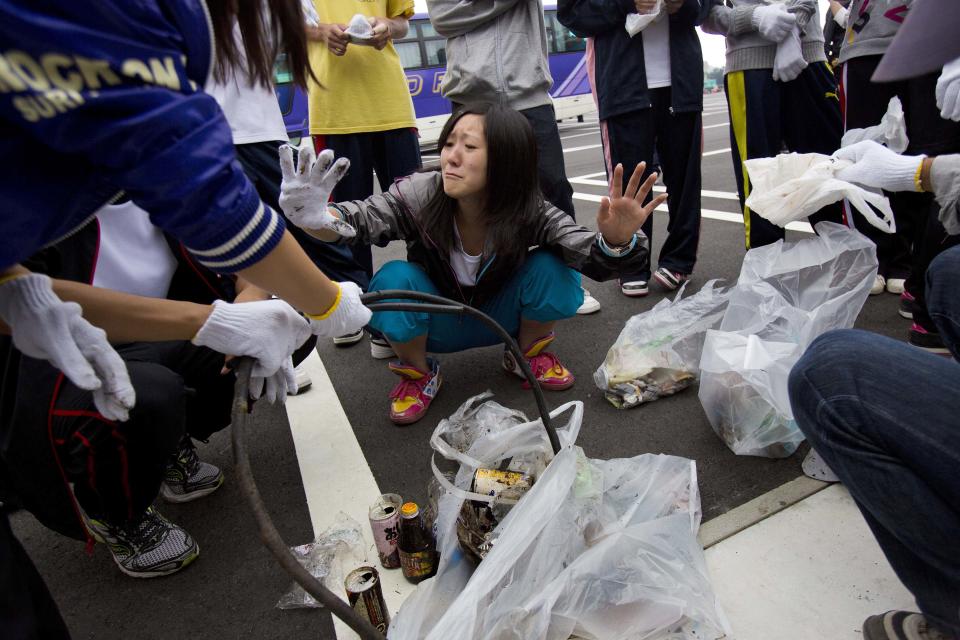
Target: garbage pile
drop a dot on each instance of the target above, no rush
(566, 545)
(658, 352)
(787, 295)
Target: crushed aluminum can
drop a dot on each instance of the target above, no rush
(385, 524)
(507, 486)
(366, 597)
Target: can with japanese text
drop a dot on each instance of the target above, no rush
(366, 597)
(385, 524)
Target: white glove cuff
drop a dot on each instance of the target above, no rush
(34, 290)
(222, 327)
(904, 173)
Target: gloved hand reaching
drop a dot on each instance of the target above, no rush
(274, 388)
(876, 166)
(45, 327)
(789, 62)
(773, 21)
(948, 91)
(346, 315)
(306, 188)
(269, 331)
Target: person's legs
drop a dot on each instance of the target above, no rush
(679, 144)
(898, 459)
(942, 299)
(396, 155)
(628, 139)
(753, 102)
(811, 122)
(932, 242)
(553, 174)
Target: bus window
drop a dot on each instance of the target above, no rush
(436, 53)
(427, 31)
(559, 38)
(410, 56)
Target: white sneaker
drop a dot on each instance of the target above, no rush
(879, 283)
(590, 304)
(895, 285)
(303, 381)
(381, 349)
(634, 288)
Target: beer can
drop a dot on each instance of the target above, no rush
(366, 597)
(507, 486)
(385, 524)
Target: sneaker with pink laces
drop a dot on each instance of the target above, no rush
(546, 367)
(411, 397)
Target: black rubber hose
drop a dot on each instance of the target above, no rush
(386, 301)
(268, 533)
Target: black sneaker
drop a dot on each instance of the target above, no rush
(900, 625)
(149, 548)
(188, 477)
(349, 338)
(927, 340)
(381, 349)
(908, 305)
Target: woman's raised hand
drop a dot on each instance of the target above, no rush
(622, 213)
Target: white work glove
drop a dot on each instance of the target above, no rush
(274, 388)
(310, 16)
(876, 166)
(840, 17)
(948, 91)
(306, 188)
(789, 62)
(45, 327)
(346, 315)
(269, 331)
(773, 21)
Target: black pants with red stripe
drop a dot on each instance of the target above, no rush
(116, 467)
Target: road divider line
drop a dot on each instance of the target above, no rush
(335, 474)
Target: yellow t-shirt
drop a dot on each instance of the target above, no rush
(365, 89)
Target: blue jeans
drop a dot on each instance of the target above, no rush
(544, 289)
(894, 440)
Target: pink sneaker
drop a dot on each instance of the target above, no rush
(412, 396)
(546, 367)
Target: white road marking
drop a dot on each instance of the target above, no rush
(714, 126)
(704, 193)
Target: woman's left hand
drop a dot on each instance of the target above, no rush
(621, 215)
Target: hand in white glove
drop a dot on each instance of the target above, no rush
(876, 166)
(773, 21)
(268, 331)
(45, 327)
(274, 388)
(789, 62)
(346, 315)
(948, 91)
(306, 188)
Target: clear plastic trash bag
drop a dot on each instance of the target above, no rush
(602, 549)
(658, 352)
(786, 296)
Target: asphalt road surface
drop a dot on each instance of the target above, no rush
(231, 591)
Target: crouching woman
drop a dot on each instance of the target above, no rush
(477, 231)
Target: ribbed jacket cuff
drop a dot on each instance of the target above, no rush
(742, 21)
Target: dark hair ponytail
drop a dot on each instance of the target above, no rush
(268, 28)
(513, 197)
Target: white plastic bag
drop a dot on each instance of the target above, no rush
(336, 551)
(658, 352)
(892, 130)
(637, 22)
(603, 549)
(786, 296)
(792, 186)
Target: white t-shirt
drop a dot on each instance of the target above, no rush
(133, 257)
(465, 266)
(252, 111)
(656, 52)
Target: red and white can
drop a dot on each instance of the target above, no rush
(385, 524)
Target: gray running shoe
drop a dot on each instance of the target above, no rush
(901, 625)
(188, 477)
(149, 548)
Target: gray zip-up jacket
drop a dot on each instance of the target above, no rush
(871, 26)
(496, 51)
(395, 215)
(746, 48)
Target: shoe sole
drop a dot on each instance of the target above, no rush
(635, 294)
(176, 498)
(159, 574)
(905, 314)
(346, 341)
(940, 351)
(589, 311)
(380, 352)
(666, 284)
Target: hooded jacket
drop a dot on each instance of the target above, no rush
(396, 215)
(103, 97)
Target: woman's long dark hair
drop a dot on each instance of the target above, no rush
(513, 198)
(268, 28)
